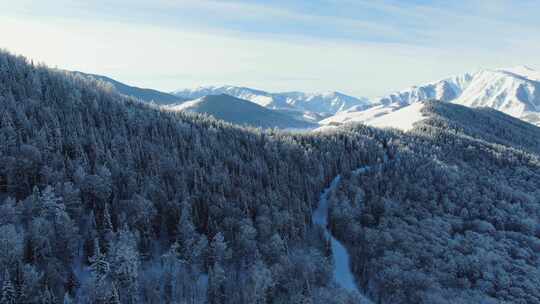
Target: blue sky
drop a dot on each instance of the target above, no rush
(366, 48)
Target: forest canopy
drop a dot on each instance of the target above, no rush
(106, 199)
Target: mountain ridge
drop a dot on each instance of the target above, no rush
(240, 111)
(144, 94)
(327, 103)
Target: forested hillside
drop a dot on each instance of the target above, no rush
(148, 95)
(453, 218)
(105, 199)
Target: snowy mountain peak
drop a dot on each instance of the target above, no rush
(514, 91)
(323, 104)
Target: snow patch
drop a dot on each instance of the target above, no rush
(403, 119)
(392, 116)
(183, 106)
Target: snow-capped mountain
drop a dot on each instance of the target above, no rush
(259, 97)
(514, 91)
(505, 90)
(443, 90)
(312, 104)
(324, 103)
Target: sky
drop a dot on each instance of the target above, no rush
(359, 47)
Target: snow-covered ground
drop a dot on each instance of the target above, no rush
(359, 116)
(394, 116)
(402, 119)
(184, 105)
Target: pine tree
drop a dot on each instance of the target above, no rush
(89, 236)
(108, 233)
(115, 299)
(216, 284)
(107, 223)
(186, 234)
(48, 297)
(98, 263)
(218, 249)
(124, 260)
(49, 206)
(8, 292)
(8, 136)
(29, 290)
(19, 281)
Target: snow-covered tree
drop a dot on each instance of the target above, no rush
(11, 246)
(8, 295)
(98, 263)
(124, 262)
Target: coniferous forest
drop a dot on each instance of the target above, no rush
(107, 199)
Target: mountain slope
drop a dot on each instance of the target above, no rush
(241, 112)
(397, 116)
(452, 215)
(508, 92)
(403, 119)
(105, 197)
(486, 124)
(147, 95)
(323, 104)
(355, 116)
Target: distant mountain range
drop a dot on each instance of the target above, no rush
(240, 112)
(323, 104)
(514, 91)
(294, 110)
